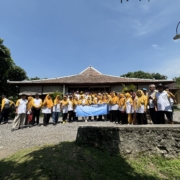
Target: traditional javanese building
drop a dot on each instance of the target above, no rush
(89, 79)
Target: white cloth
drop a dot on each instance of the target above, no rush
(22, 106)
(6, 101)
(152, 95)
(140, 109)
(46, 110)
(65, 109)
(70, 106)
(129, 107)
(37, 102)
(114, 107)
(56, 108)
(163, 102)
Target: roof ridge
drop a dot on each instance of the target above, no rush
(91, 68)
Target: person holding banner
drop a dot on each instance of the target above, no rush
(94, 101)
(75, 104)
(84, 102)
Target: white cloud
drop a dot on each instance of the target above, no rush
(155, 46)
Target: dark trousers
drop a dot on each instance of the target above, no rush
(64, 116)
(161, 116)
(4, 115)
(141, 118)
(114, 115)
(70, 115)
(105, 117)
(36, 114)
(75, 118)
(153, 115)
(100, 118)
(46, 119)
(122, 117)
(55, 116)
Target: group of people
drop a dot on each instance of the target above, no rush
(125, 108)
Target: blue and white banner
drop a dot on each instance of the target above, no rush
(93, 110)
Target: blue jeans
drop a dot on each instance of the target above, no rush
(55, 116)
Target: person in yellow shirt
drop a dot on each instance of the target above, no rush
(84, 102)
(5, 109)
(140, 106)
(122, 115)
(47, 109)
(36, 108)
(129, 108)
(114, 107)
(75, 103)
(29, 110)
(56, 110)
(64, 108)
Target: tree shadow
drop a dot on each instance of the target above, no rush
(67, 160)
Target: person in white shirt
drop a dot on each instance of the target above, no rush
(151, 98)
(70, 108)
(163, 105)
(21, 108)
(5, 109)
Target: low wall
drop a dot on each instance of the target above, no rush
(133, 140)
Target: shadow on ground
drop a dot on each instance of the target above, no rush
(67, 161)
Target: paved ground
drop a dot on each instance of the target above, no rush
(11, 142)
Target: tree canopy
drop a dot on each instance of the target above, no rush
(8, 71)
(144, 75)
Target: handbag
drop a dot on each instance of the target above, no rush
(30, 117)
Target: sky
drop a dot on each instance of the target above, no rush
(55, 38)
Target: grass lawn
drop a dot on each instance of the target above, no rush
(70, 161)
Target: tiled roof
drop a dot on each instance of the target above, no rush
(172, 86)
(89, 76)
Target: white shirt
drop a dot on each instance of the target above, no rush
(129, 107)
(163, 102)
(151, 102)
(70, 106)
(140, 109)
(56, 108)
(21, 106)
(37, 102)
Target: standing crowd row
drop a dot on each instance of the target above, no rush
(125, 108)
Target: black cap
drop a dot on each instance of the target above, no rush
(36, 94)
(160, 85)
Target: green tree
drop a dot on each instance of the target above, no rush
(129, 87)
(9, 71)
(34, 78)
(144, 75)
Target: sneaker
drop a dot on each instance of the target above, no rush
(85, 120)
(64, 122)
